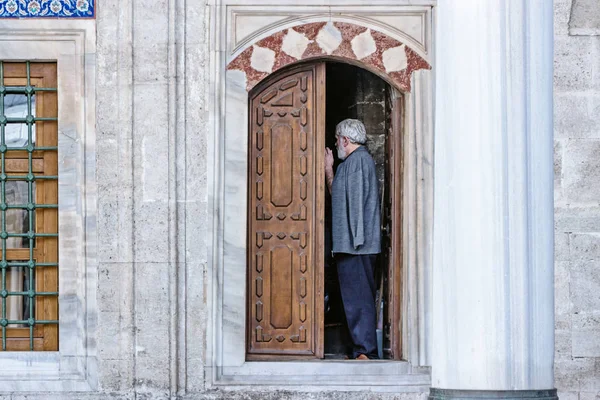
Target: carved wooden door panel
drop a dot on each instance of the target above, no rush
(285, 215)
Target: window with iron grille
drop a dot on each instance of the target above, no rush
(29, 206)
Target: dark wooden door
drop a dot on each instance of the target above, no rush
(285, 215)
(392, 231)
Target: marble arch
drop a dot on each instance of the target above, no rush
(372, 49)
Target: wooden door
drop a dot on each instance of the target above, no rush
(392, 231)
(285, 215)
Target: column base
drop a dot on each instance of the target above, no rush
(456, 394)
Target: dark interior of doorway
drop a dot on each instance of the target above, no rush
(353, 92)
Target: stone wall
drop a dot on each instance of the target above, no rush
(152, 196)
(577, 198)
(353, 92)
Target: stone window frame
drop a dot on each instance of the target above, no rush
(73, 367)
(227, 163)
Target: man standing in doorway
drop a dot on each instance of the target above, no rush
(356, 232)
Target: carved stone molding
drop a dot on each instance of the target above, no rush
(374, 50)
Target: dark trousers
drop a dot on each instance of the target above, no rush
(357, 286)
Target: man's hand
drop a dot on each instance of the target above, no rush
(328, 160)
(328, 167)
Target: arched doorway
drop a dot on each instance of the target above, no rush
(292, 117)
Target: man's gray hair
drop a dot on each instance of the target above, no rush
(353, 129)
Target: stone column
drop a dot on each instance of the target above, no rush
(493, 267)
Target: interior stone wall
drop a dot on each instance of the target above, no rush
(370, 98)
(357, 93)
(577, 198)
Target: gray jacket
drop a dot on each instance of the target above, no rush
(355, 205)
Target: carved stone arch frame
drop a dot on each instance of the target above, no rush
(235, 29)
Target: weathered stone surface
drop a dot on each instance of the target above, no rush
(153, 318)
(151, 173)
(585, 288)
(115, 214)
(151, 22)
(563, 322)
(562, 340)
(562, 294)
(576, 115)
(568, 395)
(561, 246)
(590, 381)
(150, 63)
(116, 375)
(577, 219)
(151, 375)
(581, 171)
(114, 108)
(115, 333)
(589, 395)
(569, 373)
(152, 302)
(151, 135)
(585, 247)
(573, 60)
(115, 287)
(558, 192)
(562, 13)
(586, 341)
(585, 18)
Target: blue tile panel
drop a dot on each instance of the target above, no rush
(46, 8)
